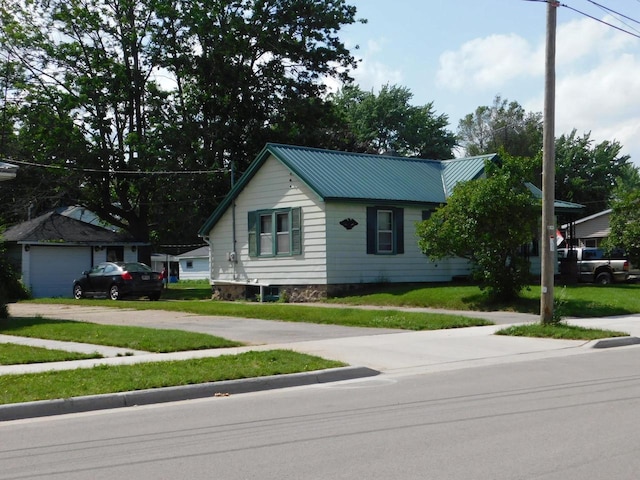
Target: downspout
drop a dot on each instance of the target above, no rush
(205, 239)
(233, 258)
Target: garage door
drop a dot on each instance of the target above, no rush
(53, 269)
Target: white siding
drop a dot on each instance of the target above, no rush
(594, 228)
(331, 254)
(272, 187)
(199, 269)
(348, 261)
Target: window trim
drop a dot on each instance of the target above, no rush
(397, 227)
(294, 232)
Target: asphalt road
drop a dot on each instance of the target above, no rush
(566, 418)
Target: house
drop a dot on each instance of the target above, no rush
(7, 171)
(307, 223)
(588, 231)
(53, 249)
(159, 262)
(194, 265)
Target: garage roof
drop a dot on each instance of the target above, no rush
(55, 228)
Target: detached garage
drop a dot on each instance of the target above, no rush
(52, 250)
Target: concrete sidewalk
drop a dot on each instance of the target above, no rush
(368, 351)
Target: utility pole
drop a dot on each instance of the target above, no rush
(548, 246)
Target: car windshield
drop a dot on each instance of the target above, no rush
(136, 267)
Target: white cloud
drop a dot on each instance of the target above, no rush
(597, 78)
(372, 74)
(488, 63)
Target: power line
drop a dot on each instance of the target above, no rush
(601, 21)
(613, 11)
(121, 172)
(558, 4)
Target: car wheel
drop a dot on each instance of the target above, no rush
(114, 292)
(78, 293)
(604, 278)
(154, 297)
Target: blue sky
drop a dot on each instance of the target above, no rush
(460, 54)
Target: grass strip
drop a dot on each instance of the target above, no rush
(559, 331)
(351, 317)
(112, 379)
(581, 300)
(13, 354)
(135, 338)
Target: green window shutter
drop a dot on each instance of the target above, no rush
(398, 218)
(253, 234)
(372, 222)
(296, 231)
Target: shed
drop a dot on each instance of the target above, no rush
(194, 264)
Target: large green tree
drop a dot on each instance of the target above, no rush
(502, 125)
(387, 122)
(116, 93)
(624, 225)
(588, 172)
(487, 221)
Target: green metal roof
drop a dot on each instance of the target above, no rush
(461, 169)
(559, 206)
(336, 175)
(346, 176)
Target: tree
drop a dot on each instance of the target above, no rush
(116, 93)
(503, 125)
(10, 286)
(479, 223)
(588, 173)
(624, 224)
(386, 122)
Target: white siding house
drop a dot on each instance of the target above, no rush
(308, 223)
(194, 265)
(588, 231)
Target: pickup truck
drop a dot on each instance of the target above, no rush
(594, 265)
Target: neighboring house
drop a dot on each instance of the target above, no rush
(588, 231)
(54, 249)
(159, 262)
(307, 223)
(7, 171)
(194, 265)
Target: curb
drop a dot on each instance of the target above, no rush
(615, 342)
(45, 408)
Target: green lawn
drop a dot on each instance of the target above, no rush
(559, 331)
(111, 379)
(579, 301)
(135, 338)
(352, 317)
(13, 354)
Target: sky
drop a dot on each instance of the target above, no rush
(460, 54)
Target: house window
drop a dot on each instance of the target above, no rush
(275, 232)
(384, 234)
(189, 263)
(385, 230)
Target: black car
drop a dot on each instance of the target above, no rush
(117, 280)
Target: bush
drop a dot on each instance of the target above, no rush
(11, 287)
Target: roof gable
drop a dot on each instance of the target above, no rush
(200, 252)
